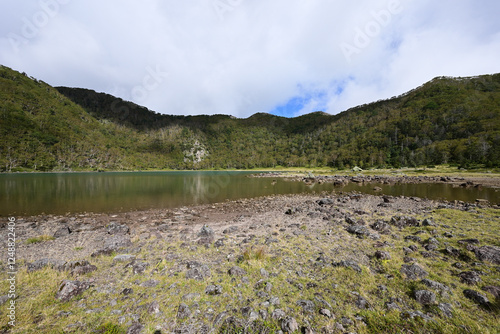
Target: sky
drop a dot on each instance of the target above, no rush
(240, 57)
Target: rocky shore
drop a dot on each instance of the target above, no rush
(323, 263)
(342, 180)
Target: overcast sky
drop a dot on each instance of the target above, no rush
(239, 57)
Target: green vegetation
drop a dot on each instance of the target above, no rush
(452, 121)
(41, 238)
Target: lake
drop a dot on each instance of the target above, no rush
(61, 193)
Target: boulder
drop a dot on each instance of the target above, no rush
(307, 305)
(213, 290)
(425, 297)
(470, 277)
(488, 253)
(404, 221)
(62, 232)
(46, 262)
(115, 228)
(289, 325)
(206, 235)
(183, 311)
(348, 264)
(199, 272)
(477, 297)
(237, 271)
(413, 271)
(69, 289)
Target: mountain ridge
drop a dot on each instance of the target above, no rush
(446, 120)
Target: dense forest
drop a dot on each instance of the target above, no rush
(452, 121)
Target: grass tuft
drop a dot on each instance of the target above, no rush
(38, 239)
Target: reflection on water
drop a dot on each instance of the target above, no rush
(59, 193)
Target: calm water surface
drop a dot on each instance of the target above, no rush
(60, 193)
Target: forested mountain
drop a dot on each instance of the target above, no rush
(447, 120)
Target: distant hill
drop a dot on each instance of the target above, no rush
(446, 120)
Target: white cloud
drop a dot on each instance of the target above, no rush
(239, 57)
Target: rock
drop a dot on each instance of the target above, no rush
(236, 271)
(430, 247)
(435, 285)
(362, 303)
(124, 258)
(62, 232)
(248, 312)
(348, 264)
(69, 289)
(392, 306)
(42, 263)
(213, 290)
(494, 290)
(470, 277)
(403, 222)
(425, 297)
(82, 270)
(139, 267)
(448, 235)
(413, 271)
(427, 222)
(219, 243)
(150, 283)
(471, 241)
(102, 251)
(414, 238)
(289, 325)
(326, 312)
(127, 291)
(274, 301)
(4, 299)
(358, 230)
(135, 329)
(415, 314)
(381, 227)
(447, 309)
(115, 228)
(488, 253)
(307, 305)
(477, 297)
(183, 311)
(451, 251)
(206, 235)
(264, 273)
(117, 242)
(382, 255)
(199, 273)
(349, 220)
(231, 229)
(325, 201)
(407, 250)
(278, 314)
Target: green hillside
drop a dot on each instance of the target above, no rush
(446, 121)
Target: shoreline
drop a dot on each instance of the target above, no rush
(331, 262)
